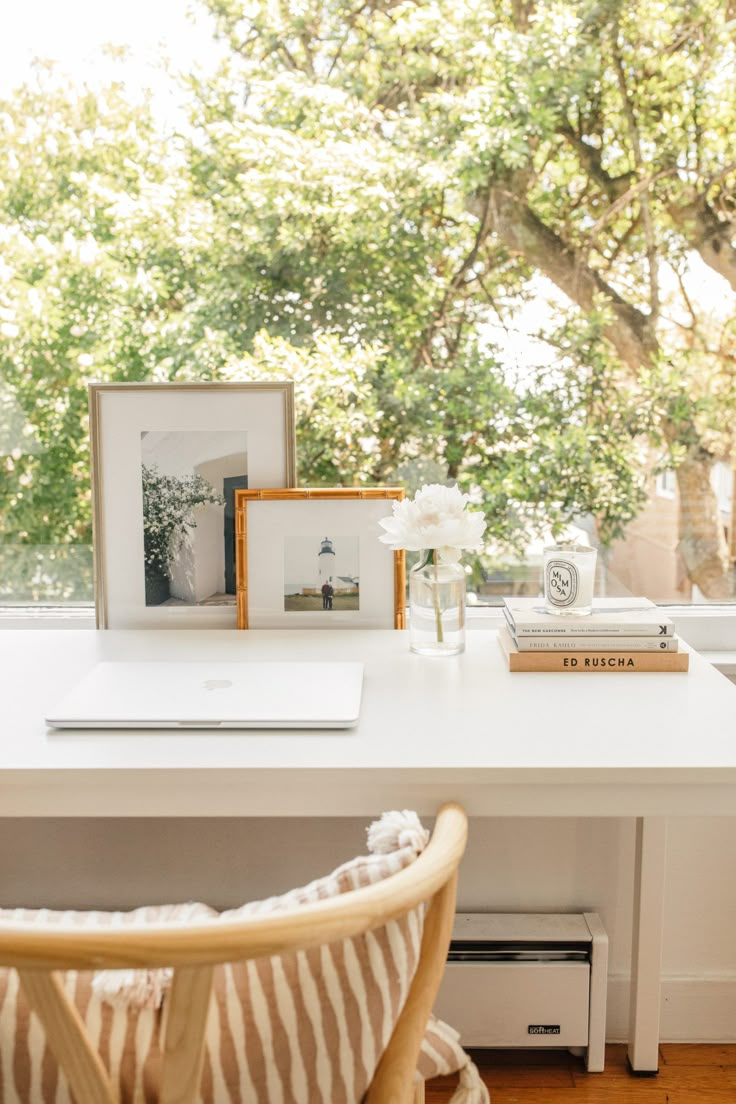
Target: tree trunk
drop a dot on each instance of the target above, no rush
(702, 542)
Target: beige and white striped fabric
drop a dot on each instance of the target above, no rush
(125, 1033)
(304, 1028)
(315, 1023)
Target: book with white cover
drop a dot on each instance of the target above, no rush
(583, 643)
(610, 617)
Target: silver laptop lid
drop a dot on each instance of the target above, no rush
(213, 695)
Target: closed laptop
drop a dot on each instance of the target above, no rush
(213, 695)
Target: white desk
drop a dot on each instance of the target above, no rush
(463, 728)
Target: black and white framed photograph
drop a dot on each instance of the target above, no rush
(188, 480)
(167, 460)
(312, 558)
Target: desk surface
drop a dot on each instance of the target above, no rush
(431, 729)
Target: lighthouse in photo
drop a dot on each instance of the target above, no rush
(332, 583)
(326, 562)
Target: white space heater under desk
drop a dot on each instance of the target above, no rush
(528, 980)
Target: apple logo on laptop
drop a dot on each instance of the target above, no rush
(216, 684)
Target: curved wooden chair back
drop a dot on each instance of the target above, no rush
(194, 951)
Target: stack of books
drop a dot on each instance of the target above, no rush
(621, 634)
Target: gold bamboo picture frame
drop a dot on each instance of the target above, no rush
(165, 449)
(311, 558)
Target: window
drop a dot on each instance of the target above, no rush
(492, 244)
(666, 485)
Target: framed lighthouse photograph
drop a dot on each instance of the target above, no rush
(311, 558)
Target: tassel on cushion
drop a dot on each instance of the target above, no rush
(146, 988)
(133, 988)
(441, 1054)
(396, 830)
(471, 1089)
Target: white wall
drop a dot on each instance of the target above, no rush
(510, 865)
(199, 568)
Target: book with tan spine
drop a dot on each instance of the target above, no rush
(611, 661)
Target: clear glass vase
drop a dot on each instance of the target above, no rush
(436, 606)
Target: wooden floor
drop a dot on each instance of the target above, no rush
(688, 1074)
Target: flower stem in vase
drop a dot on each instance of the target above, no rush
(437, 608)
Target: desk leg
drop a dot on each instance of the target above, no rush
(646, 950)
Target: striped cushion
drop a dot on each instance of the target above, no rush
(319, 1020)
(304, 1028)
(126, 1035)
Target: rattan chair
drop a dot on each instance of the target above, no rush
(194, 950)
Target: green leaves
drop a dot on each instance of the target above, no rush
(169, 502)
(331, 215)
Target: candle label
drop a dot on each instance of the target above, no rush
(561, 583)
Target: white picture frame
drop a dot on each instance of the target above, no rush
(150, 440)
(308, 528)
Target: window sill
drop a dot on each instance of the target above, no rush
(725, 662)
(711, 631)
(47, 617)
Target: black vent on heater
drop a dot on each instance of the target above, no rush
(481, 950)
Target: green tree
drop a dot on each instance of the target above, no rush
(89, 224)
(426, 159)
(365, 200)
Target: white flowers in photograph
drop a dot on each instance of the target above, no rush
(188, 481)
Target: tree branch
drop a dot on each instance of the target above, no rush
(646, 214)
(521, 14)
(440, 315)
(523, 232)
(590, 159)
(620, 243)
(625, 198)
(709, 235)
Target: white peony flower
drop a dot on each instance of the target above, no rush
(435, 518)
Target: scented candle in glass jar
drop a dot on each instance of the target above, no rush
(569, 575)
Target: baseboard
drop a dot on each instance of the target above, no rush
(693, 1009)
